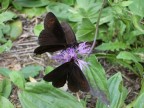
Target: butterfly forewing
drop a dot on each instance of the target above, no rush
(58, 76)
(55, 34)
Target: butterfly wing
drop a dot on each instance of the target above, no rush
(69, 34)
(58, 76)
(53, 33)
(76, 79)
(48, 48)
(52, 38)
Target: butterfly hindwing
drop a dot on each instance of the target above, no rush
(48, 48)
(69, 34)
(76, 79)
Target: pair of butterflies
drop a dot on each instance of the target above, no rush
(54, 37)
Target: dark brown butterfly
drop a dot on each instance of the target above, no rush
(54, 37)
(71, 73)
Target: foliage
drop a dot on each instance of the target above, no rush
(120, 28)
(9, 30)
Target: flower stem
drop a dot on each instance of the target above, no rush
(97, 29)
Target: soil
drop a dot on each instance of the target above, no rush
(22, 55)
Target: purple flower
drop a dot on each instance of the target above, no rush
(74, 53)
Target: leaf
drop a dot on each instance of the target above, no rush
(6, 29)
(126, 3)
(61, 10)
(117, 92)
(5, 88)
(112, 46)
(128, 56)
(5, 103)
(16, 5)
(31, 3)
(32, 12)
(6, 16)
(86, 30)
(90, 9)
(16, 29)
(31, 71)
(5, 71)
(43, 95)
(18, 79)
(97, 79)
(137, 7)
(68, 2)
(113, 59)
(6, 47)
(138, 102)
(5, 4)
(85, 3)
(48, 69)
(37, 29)
(136, 24)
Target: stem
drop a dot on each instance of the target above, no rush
(97, 28)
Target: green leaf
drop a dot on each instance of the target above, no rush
(113, 58)
(138, 102)
(117, 92)
(32, 70)
(5, 4)
(137, 7)
(5, 71)
(126, 3)
(6, 16)
(32, 12)
(61, 10)
(37, 29)
(5, 103)
(43, 95)
(97, 79)
(16, 5)
(5, 88)
(85, 3)
(136, 24)
(18, 79)
(90, 9)
(6, 29)
(128, 56)
(31, 3)
(6, 47)
(86, 30)
(48, 69)
(16, 29)
(69, 2)
(112, 46)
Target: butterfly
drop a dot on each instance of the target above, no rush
(54, 37)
